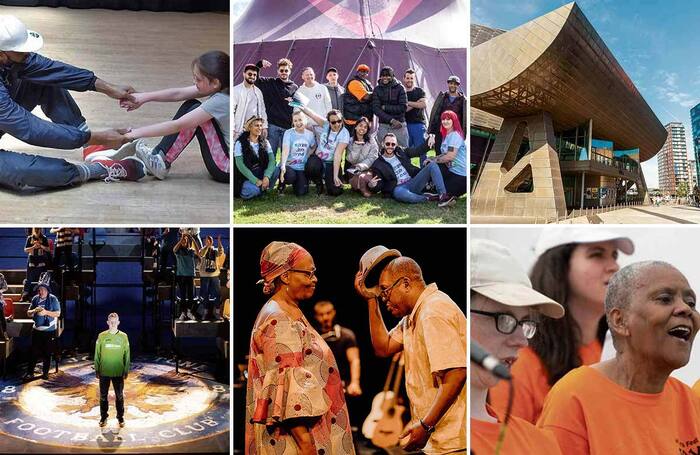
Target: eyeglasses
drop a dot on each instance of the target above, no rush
(335, 122)
(390, 144)
(506, 323)
(384, 294)
(310, 274)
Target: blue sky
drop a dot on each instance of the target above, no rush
(657, 43)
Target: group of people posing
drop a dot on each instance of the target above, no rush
(28, 80)
(358, 134)
(590, 347)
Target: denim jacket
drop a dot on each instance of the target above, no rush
(25, 126)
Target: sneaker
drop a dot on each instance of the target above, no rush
(154, 161)
(103, 422)
(431, 196)
(99, 151)
(183, 317)
(92, 149)
(121, 423)
(446, 200)
(130, 168)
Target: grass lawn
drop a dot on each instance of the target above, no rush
(348, 208)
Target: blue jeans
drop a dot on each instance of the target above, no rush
(19, 171)
(250, 190)
(416, 137)
(275, 135)
(412, 191)
(209, 290)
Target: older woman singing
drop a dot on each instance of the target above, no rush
(295, 402)
(630, 404)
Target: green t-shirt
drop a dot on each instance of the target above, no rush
(112, 354)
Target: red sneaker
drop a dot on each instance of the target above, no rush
(130, 168)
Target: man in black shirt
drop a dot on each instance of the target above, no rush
(38, 260)
(453, 100)
(415, 111)
(277, 93)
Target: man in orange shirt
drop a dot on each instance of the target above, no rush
(630, 404)
(505, 310)
(357, 99)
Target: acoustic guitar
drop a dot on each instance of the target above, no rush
(391, 424)
(376, 413)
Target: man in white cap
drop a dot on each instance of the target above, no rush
(505, 312)
(28, 80)
(45, 309)
(433, 337)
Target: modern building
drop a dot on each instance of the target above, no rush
(673, 160)
(692, 177)
(695, 126)
(557, 124)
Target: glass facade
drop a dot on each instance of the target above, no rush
(695, 122)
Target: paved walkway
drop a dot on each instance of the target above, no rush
(665, 214)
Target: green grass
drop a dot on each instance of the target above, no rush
(348, 208)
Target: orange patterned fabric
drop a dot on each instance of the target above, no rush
(277, 258)
(292, 374)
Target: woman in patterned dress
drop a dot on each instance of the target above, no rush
(294, 402)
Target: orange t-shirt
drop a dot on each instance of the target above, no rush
(530, 382)
(590, 414)
(522, 438)
(696, 387)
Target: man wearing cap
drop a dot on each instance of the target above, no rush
(451, 100)
(357, 99)
(248, 101)
(334, 90)
(389, 103)
(112, 361)
(504, 313)
(30, 79)
(277, 93)
(45, 310)
(432, 336)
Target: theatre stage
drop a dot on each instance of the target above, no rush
(164, 411)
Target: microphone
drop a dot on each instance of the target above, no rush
(478, 355)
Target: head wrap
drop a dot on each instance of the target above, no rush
(275, 259)
(456, 126)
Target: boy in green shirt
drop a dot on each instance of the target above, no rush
(112, 359)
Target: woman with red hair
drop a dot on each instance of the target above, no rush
(295, 398)
(453, 154)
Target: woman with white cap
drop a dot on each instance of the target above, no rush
(573, 267)
(504, 313)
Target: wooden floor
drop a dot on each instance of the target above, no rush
(150, 51)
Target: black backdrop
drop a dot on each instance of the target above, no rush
(441, 253)
(150, 5)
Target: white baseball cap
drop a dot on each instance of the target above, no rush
(496, 274)
(554, 236)
(14, 36)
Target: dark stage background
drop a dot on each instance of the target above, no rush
(149, 5)
(441, 253)
(125, 297)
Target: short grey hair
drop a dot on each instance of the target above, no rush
(623, 282)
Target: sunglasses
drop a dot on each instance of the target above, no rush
(335, 122)
(390, 144)
(283, 70)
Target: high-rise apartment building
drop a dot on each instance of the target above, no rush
(673, 159)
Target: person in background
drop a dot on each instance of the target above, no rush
(45, 310)
(38, 260)
(319, 100)
(185, 254)
(389, 104)
(211, 260)
(573, 268)
(450, 100)
(334, 90)
(248, 101)
(357, 99)
(415, 111)
(277, 93)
